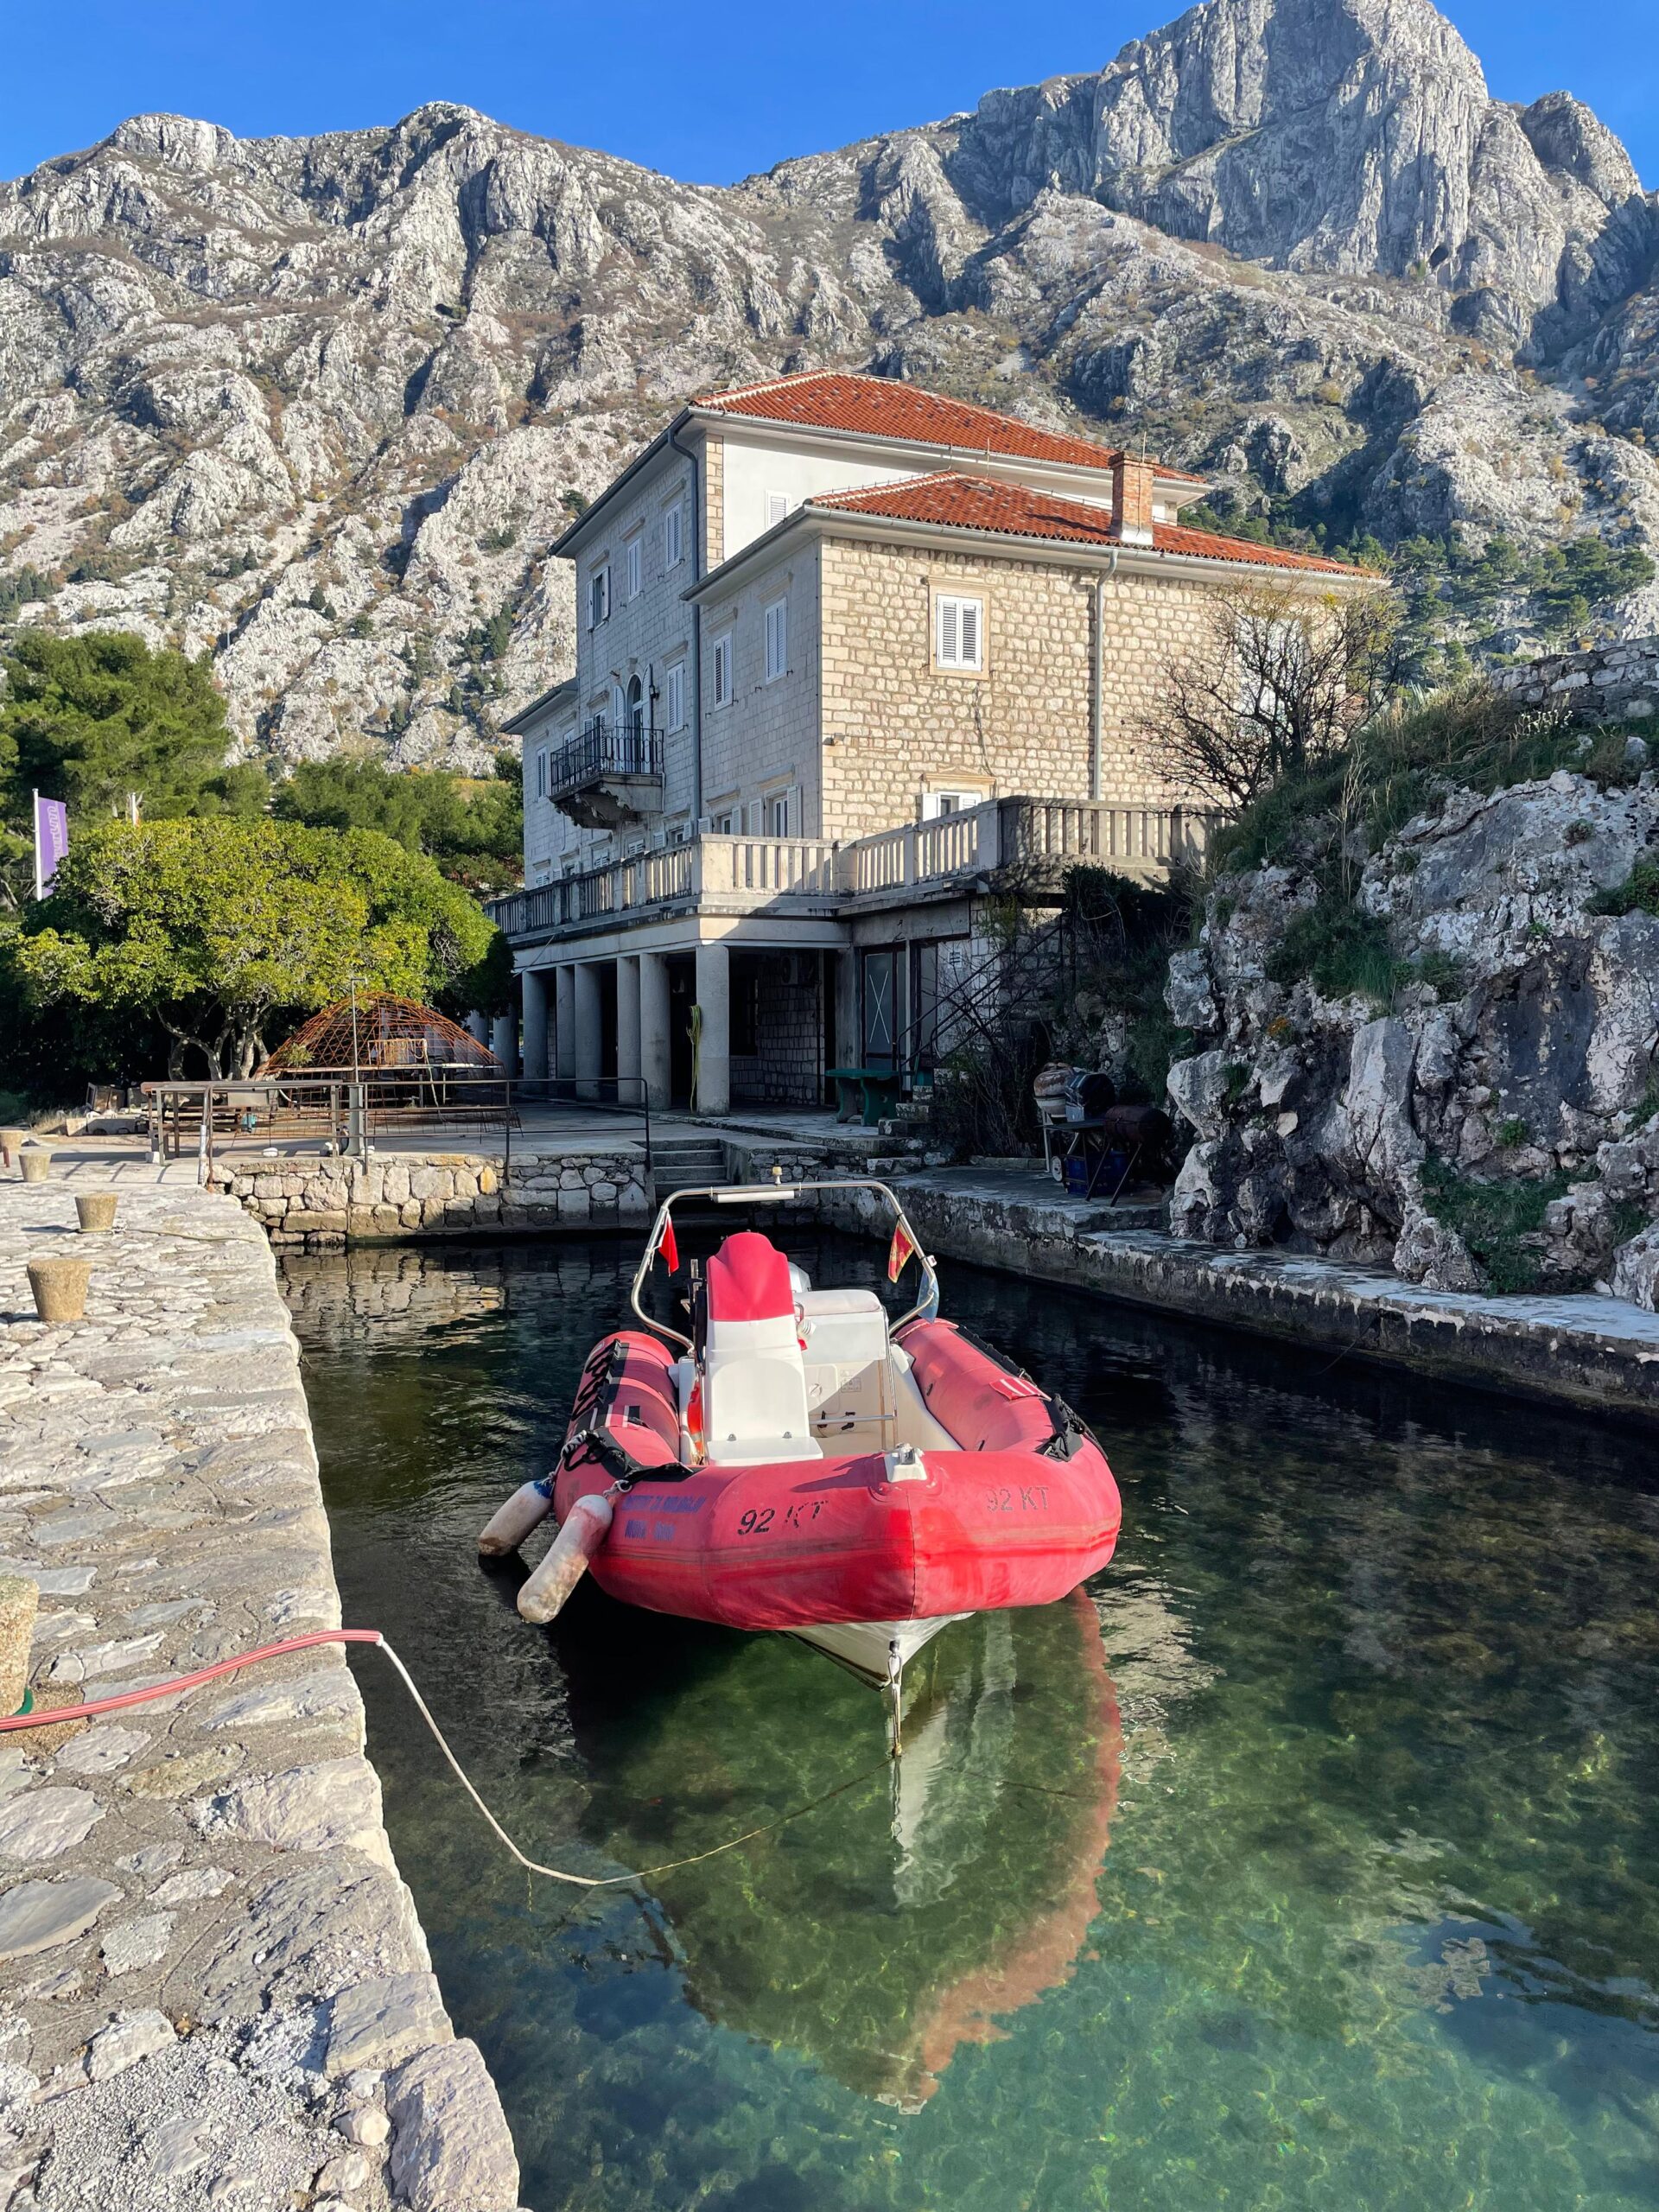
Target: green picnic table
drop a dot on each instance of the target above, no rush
(877, 1089)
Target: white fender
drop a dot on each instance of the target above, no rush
(527, 1508)
(586, 1526)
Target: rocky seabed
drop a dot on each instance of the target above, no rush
(214, 1989)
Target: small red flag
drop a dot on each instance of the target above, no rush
(898, 1252)
(670, 1247)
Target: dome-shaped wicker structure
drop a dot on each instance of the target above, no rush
(381, 1032)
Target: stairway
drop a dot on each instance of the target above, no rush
(688, 1163)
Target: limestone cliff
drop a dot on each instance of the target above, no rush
(320, 405)
(1485, 1111)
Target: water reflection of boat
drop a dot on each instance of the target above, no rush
(913, 1914)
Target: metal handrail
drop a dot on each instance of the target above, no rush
(605, 748)
(780, 1193)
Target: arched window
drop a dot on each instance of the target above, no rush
(636, 724)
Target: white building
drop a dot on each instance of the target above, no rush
(832, 632)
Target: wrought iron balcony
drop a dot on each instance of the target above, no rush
(611, 773)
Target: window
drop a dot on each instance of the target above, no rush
(599, 596)
(723, 670)
(936, 803)
(636, 711)
(541, 773)
(673, 535)
(775, 815)
(634, 566)
(724, 825)
(959, 631)
(777, 639)
(779, 507)
(674, 698)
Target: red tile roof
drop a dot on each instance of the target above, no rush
(959, 502)
(833, 399)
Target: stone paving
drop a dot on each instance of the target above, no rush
(214, 1991)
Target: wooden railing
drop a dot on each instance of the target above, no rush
(807, 874)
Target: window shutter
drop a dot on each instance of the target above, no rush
(970, 634)
(776, 507)
(947, 633)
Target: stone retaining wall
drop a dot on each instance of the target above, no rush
(396, 1196)
(1600, 1354)
(214, 1990)
(1619, 683)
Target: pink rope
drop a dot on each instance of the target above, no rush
(54, 1714)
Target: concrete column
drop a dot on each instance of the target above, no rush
(715, 1048)
(845, 1043)
(588, 1031)
(564, 1023)
(503, 1039)
(478, 1026)
(535, 982)
(653, 1029)
(627, 1029)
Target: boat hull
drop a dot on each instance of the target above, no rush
(855, 1539)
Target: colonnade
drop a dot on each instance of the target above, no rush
(563, 1027)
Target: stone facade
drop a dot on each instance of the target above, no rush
(764, 744)
(318, 1203)
(894, 725)
(1619, 683)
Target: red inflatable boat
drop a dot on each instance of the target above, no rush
(800, 1463)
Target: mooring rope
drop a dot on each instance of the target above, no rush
(177, 1685)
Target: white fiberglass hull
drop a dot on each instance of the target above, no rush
(876, 1650)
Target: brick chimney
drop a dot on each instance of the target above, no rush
(1132, 500)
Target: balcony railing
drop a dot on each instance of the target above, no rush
(806, 876)
(603, 753)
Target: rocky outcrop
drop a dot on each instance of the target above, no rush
(318, 407)
(1495, 1119)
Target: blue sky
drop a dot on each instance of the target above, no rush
(706, 93)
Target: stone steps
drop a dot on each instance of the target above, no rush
(686, 1163)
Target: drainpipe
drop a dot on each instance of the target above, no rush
(1097, 680)
(696, 633)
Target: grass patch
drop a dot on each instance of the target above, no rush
(1631, 1218)
(1342, 951)
(1494, 1219)
(1637, 894)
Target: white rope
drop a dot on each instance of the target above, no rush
(605, 1881)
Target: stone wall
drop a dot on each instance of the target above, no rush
(1619, 683)
(396, 1195)
(215, 1985)
(891, 722)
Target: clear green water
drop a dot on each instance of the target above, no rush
(1312, 1859)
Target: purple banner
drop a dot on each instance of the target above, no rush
(51, 841)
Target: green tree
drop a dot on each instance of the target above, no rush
(472, 829)
(222, 931)
(89, 718)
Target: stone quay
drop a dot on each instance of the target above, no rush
(214, 1989)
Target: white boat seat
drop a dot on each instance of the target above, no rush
(754, 1380)
(848, 1385)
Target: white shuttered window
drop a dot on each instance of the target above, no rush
(674, 684)
(777, 639)
(723, 670)
(672, 526)
(959, 631)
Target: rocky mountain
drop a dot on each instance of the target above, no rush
(319, 405)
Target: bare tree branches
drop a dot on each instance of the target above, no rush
(1280, 680)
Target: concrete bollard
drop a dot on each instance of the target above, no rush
(586, 1526)
(11, 1143)
(36, 1163)
(96, 1209)
(527, 1508)
(60, 1288)
(18, 1600)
